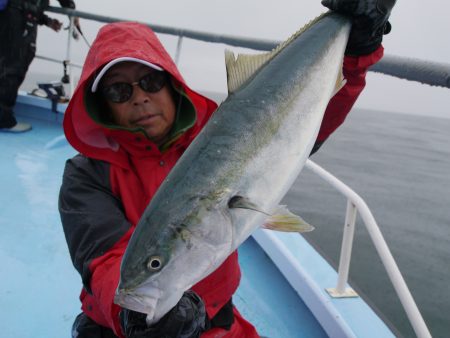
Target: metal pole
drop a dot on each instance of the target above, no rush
(346, 250)
(68, 54)
(394, 274)
(178, 51)
(41, 57)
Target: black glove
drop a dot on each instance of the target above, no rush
(186, 320)
(370, 22)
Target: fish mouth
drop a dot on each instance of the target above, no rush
(143, 301)
(154, 302)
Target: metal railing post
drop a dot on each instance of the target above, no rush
(178, 51)
(68, 55)
(347, 245)
(346, 255)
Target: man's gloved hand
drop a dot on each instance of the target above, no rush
(53, 24)
(186, 320)
(370, 22)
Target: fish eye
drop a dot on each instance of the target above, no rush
(154, 263)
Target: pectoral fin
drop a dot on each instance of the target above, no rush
(281, 220)
(243, 203)
(284, 220)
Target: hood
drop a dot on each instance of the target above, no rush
(123, 39)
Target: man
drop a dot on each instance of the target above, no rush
(18, 32)
(131, 118)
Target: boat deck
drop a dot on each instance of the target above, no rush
(39, 287)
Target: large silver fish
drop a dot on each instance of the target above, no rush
(238, 168)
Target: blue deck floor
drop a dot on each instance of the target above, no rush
(39, 287)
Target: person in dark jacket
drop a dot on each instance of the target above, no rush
(131, 118)
(18, 32)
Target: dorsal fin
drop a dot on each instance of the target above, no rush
(240, 69)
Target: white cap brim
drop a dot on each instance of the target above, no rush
(115, 61)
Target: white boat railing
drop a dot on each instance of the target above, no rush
(435, 74)
(426, 72)
(356, 204)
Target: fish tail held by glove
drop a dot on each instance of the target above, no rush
(369, 22)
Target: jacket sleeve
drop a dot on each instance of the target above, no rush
(355, 70)
(97, 233)
(67, 3)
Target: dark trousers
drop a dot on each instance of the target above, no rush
(17, 50)
(84, 327)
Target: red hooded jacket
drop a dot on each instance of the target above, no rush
(107, 187)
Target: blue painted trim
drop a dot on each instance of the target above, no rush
(39, 108)
(310, 274)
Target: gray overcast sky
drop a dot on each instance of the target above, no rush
(420, 30)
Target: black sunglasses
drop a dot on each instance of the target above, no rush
(121, 92)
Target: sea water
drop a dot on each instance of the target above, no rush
(400, 165)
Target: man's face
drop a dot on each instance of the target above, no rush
(152, 111)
